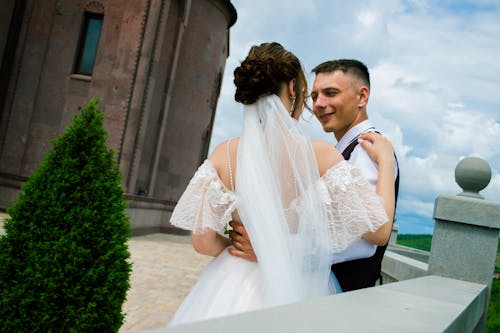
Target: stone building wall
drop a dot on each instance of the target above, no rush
(158, 70)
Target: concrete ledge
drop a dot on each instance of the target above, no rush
(396, 267)
(161, 230)
(149, 215)
(428, 304)
(472, 211)
(137, 201)
(410, 252)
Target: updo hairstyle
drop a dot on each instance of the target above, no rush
(264, 70)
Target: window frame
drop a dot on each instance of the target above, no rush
(87, 17)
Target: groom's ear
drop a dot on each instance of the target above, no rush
(364, 94)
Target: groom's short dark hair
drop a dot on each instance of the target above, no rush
(351, 66)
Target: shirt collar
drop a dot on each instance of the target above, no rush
(351, 134)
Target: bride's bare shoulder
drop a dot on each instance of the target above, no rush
(218, 157)
(326, 155)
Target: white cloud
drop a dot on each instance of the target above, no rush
(367, 18)
(470, 132)
(455, 105)
(434, 72)
(416, 206)
(492, 191)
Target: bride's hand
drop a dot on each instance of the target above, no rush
(378, 147)
(380, 150)
(241, 242)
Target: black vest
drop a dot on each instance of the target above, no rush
(361, 273)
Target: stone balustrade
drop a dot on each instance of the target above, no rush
(465, 238)
(428, 304)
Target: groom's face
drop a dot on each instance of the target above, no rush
(335, 102)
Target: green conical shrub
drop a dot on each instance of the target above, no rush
(64, 256)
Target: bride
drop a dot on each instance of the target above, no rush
(299, 201)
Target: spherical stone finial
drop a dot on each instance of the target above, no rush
(472, 174)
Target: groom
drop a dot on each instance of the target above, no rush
(340, 94)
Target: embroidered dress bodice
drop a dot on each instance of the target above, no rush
(352, 206)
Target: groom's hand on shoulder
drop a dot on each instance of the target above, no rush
(241, 242)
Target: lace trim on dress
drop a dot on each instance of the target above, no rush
(352, 205)
(206, 203)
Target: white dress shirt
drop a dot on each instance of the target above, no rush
(369, 169)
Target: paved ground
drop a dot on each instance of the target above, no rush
(164, 268)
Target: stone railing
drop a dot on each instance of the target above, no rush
(446, 290)
(428, 304)
(398, 267)
(465, 239)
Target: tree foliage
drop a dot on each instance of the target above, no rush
(64, 256)
(493, 319)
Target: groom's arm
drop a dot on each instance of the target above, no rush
(241, 242)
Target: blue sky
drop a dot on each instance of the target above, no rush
(434, 69)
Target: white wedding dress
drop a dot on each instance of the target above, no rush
(230, 285)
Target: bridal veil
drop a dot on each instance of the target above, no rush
(280, 205)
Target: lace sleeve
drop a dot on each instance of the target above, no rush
(352, 205)
(206, 203)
